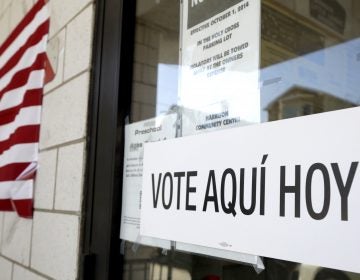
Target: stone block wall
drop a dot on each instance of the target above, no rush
(47, 247)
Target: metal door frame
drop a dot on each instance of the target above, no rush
(109, 104)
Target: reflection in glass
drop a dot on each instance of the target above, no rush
(325, 80)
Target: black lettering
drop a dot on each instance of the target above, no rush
(167, 175)
(208, 197)
(284, 189)
(322, 168)
(155, 194)
(179, 175)
(344, 189)
(230, 207)
(262, 186)
(190, 190)
(253, 192)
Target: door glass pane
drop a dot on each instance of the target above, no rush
(310, 64)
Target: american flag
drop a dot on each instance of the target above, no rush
(22, 73)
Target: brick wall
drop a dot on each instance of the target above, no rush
(47, 247)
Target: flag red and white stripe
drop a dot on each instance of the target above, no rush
(22, 75)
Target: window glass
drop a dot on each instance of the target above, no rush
(309, 64)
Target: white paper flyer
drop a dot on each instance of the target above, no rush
(136, 135)
(220, 58)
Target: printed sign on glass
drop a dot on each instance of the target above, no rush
(219, 76)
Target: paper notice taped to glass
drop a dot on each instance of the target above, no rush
(136, 135)
(220, 59)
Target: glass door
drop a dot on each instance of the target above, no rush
(309, 64)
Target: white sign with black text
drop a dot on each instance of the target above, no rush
(288, 190)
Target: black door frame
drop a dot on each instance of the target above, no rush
(109, 104)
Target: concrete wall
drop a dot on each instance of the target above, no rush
(47, 247)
